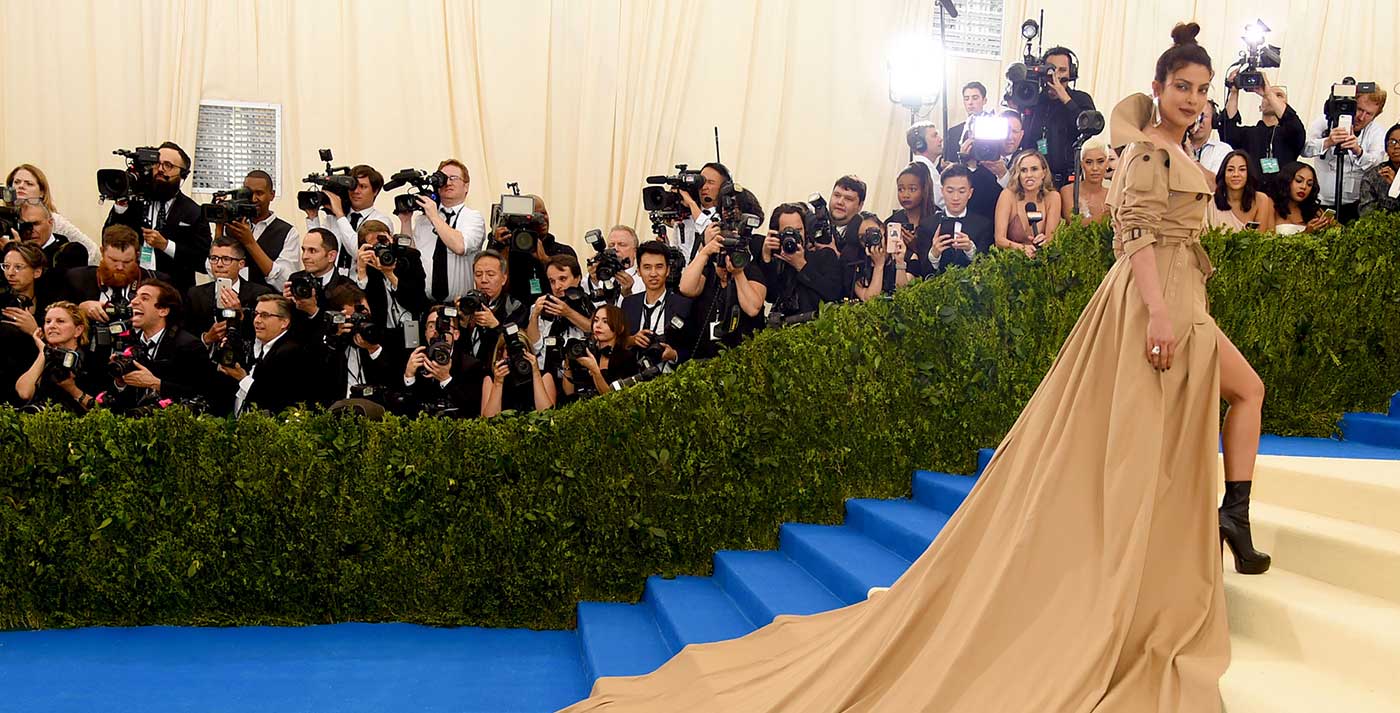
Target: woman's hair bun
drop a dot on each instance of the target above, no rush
(1185, 33)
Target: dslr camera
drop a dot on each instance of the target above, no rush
(469, 304)
(388, 251)
(605, 262)
(791, 240)
(439, 349)
(520, 369)
(335, 179)
(989, 134)
(9, 215)
(230, 205)
(820, 229)
(132, 182)
(517, 214)
(304, 285)
(361, 323)
(231, 352)
(662, 195)
(1340, 106)
(61, 364)
(421, 183)
(14, 299)
(124, 361)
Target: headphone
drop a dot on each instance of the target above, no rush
(1073, 60)
(917, 136)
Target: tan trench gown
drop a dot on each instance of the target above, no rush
(1083, 572)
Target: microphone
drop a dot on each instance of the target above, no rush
(1034, 216)
(1016, 72)
(658, 180)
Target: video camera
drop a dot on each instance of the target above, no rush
(231, 205)
(130, 183)
(658, 196)
(1257, 55)
(421, 183)
(1340, 106)
(1029, 77)
(336, 180)
(517, 214)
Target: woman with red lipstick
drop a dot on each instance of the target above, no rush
(1082, 574)
(1295, 201)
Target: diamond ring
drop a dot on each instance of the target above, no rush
(1157, 350)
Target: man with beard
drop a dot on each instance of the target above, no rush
(169, 221)
(113, 280)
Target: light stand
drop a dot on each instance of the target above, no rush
(946, 9)
(1089, 124)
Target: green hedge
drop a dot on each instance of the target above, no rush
(184, 520)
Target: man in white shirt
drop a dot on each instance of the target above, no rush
(272, 245)
(1362, 147)
(344, 223)
(1210, 153)
(622, 239)
(927, 147)
(448, 235)
(702, 212)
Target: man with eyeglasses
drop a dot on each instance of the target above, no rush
(278, 372)
(448, 235)
(171, 224)
(228, 291)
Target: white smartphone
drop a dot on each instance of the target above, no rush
(221, 284)
(1344, 122)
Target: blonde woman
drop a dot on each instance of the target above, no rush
(1028, 210)
(1093, 190)
(30, 184)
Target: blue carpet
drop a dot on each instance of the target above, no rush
(400, 667)
(343, 667)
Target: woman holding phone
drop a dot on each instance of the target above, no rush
(911, 225)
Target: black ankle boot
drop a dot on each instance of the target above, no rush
(1234, 529)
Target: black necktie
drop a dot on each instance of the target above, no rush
(440, 263)
(160, 215)
(355, 219)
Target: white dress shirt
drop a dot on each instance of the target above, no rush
(937, 179)
(346, 234)
(284, 263)
(1372, 141)
(260, 350)
(1213, 154)
(472, 226)
(970, 252)
(63, 226)
(592, 288)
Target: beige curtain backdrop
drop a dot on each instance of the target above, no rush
(578, 100)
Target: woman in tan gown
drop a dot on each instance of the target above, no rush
(1083, 572)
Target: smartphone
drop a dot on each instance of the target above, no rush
(1252, 225)
(221, 284)
(1330, 213)
(1344, 122)
(894, 245)
(950, 227)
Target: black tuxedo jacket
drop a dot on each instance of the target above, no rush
(409, 295)
(185, 226)
(282, 378)
(182, 364)
(677, 305)
(203, 304)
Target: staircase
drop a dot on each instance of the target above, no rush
(1319, 632)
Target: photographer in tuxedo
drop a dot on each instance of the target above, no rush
(434, 378)
(173, 224)
(394, 289)
(343, 221)
(280, 371)
(357, 362)
(657, 314)
(802, 274)
(228, 291)
(559, 316)
(307, 288)
(271, 245)
(974, 96)
(167, 362)
(483, 327)
(112, 282)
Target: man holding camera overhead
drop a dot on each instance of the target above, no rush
(1276, 140)
(173, 225)
(343, 221)
(1050, 121)
(448, 234)
(1361, 143)
(526, 252)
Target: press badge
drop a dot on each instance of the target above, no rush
(148, 257)
(1269, 165)
(1043, 147)
(535, 286)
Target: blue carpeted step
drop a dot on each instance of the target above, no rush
(766, 584)
(941, 491)
(905, 527)
(984, 456)
(1394, 406)
(694, 610)
(841, 558)
(1371, 428)
(619, 639)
